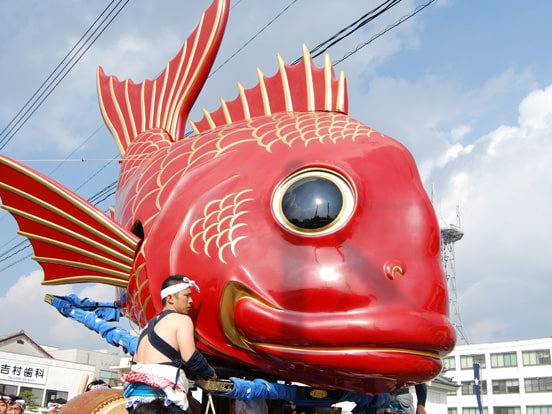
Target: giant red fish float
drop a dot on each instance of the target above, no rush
(315, 245)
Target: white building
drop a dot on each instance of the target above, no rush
(515, 377)
(437, 394)
(50, 373)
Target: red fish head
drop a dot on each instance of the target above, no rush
(319, 251)
(313, 241)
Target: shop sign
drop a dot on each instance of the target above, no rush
(22, 372)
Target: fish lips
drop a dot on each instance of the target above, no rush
(393, 345)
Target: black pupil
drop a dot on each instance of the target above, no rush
(312, 203)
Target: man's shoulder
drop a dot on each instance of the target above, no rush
(177, 316)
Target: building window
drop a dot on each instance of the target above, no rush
(468, 387)
(538, 409)
(53, 394)
(452, 392)
(113, 378)
(449, 363)
(37, 394)
(538, 384)
(508, 359)
(455, 411)
(507, 410)
(8, 389)
(541, 357)
(509, 386)
(474, 410)
(467, 361)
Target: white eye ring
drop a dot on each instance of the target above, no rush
(314, 202)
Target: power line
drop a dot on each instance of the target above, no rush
(252, 38)
(351, 28)
(61, 71)
(10, 253)
(96, 173)
(109, 190)
(388, 28)
(63, 160)
(17, 261)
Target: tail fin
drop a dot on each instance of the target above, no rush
(129, 109)
(73, 241)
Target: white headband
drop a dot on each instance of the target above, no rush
(186, 283)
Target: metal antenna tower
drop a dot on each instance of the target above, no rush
(450, 234)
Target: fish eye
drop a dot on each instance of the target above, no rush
(313, 201)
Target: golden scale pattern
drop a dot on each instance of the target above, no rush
(286, 129)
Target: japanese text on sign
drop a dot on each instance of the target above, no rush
(22, 372)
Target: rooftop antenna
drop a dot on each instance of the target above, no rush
(450, 234)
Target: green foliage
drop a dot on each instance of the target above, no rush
(30, 399)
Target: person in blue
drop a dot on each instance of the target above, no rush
(166, 352)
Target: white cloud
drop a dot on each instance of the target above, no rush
(24, 309)
(535, 112)
(503, 188)
(452, 153)
(460, 132)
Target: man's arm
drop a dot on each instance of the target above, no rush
(195, 362)
(185, 336)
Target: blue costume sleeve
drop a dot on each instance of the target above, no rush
(74, 308)
(421, 393)
(199, 366)
(247, 391)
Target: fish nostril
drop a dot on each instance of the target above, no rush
(393, 269)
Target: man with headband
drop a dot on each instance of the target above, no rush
(4, 399)
(15, 404)
(55, 406)
(166, 352)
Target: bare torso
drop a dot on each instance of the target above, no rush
(177, 330)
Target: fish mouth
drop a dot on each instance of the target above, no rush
(361, 342)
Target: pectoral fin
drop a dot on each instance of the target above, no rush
(73, 241)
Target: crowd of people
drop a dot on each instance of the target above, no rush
(12, 404)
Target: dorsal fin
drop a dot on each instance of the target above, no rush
(129, 109)
(299, 88)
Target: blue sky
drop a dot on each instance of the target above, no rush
(465, 85)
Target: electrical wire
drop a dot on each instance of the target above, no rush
(253, 38)
(388, 28)
(350, 29)
(56, 76)
(12, 252)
